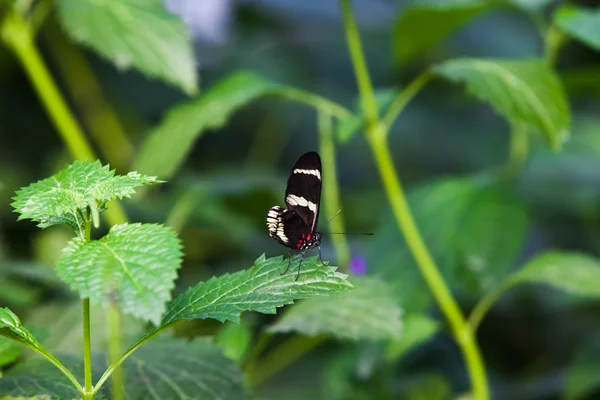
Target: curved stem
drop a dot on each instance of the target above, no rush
(331, 199)
(313, 100)
(518, 151)
(404, 97)
(367, 95)
(485, 304)
(58, 365)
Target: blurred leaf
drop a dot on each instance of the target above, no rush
(167, 145)
(38, 377)
(370, 312)
(582, 377)
(579, 23)
(174, 369)
(134, 263)
(570, 272)
(261, 288)
(531, 4)
(522, 91)
(418, 328)
(60, 198)
(17, 294)
(349, 126)
(138, 33)
(490, 238)
(234, 339)
(9, 351)
(426, 23)
(11, 328)
(430, 387)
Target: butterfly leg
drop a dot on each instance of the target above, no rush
(321, 257)
(299, 264)
(289, 262)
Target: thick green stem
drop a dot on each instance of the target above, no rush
(376, 136)
(87, 347)
(115, 346)
(367, 95)
(331, 196)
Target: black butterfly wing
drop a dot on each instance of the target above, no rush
(286, 226)
(303, 193)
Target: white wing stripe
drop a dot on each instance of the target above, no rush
(314, 172)
(302, 202)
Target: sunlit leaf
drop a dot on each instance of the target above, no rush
(38, 377)
(134, 33)
(11, 328)
(175, 369)
(579, 23)
(62, 197)
(424, 24)
(167, 145)
(521, 91)
(573, 273)
(134, 263)
(261, 288)
(418, 328)
(369, 312)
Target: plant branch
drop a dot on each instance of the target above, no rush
(485, 304)
(367, 95)
(313, 100)
(331, 199)
(404, 97)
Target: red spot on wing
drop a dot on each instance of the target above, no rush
(308, 237)
(299, 245)
(303, 236)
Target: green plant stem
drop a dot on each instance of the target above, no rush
(251, 358)
(367, 95)
(315, 101)
(405, 97)
(87, 347)
(57, 364)
(554, 39)
(282, 356)
(331, 198)
(114, 345)
(376, 136)
(485, 304)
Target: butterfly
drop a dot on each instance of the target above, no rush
(295, 226)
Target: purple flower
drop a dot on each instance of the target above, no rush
(358, 265)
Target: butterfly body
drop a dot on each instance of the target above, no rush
(295, 226)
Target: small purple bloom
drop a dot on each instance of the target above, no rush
(358, 265)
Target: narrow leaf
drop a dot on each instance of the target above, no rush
(370, 312)
(261, 288)
(426, 23)
(570, 272)
(579, 23)
(37, 377)
(134, 33)
(62, 197)
(134, 263)
(523, 91)
(175, 369)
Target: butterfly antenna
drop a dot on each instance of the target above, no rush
(352, 233)
(336, 214)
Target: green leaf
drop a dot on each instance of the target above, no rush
(174, 369)
(573, 273)
(369, 312)
(11, 327)
(418, 328)
(531, 5)
(138, 33)
(580, 24)
(37, 377)
(134, 263)
(62, 197)
(167, 145)
(349, 126)
(521, 91)
(426, 23)
(582, 378)
(9, 351)
(261, 288)
(234, 339)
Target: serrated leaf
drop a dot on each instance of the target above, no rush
(12, 328)
(580, 23)
(261, 288)
(522, 91)
(134, 263)
(369, 312)
(62, 197)
(418, 328)
(134, 33)
(37, 377)
(573, 273)
(426, 23)
(9, 351)
(166, 146)
(349, 126)
(175, 369)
